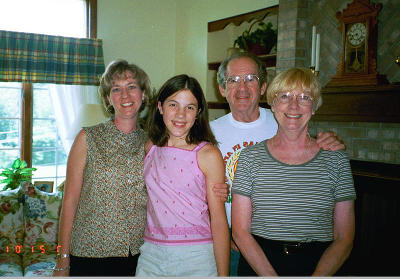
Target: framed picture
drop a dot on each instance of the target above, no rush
(45, 186)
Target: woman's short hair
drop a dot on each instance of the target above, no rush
(117, 70)
(292, 79)
(200, 130)
(261, 72)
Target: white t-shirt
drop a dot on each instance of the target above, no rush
(232, 136)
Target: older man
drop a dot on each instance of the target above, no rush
(242, 81)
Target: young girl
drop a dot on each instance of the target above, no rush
(187, 232)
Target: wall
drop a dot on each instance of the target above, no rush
(142, 32)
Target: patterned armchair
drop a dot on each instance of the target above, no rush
(28, 231)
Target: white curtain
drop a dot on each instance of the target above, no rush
(67, 102)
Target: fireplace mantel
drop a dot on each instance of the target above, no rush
(379, 103)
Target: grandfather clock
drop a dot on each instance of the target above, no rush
(359, 28)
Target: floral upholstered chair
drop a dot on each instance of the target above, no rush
(11, 232)
(28, 237)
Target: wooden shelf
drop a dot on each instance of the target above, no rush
(376, 170)
(214, 66)
(225, 105)
(379, 103)
(237, 20)
(268, 59)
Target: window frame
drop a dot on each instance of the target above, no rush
(27, 90)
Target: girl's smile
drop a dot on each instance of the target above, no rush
(179, 113)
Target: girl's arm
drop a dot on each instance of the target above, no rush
(72, 190)
(248, 246)
(212, 165)
(344, 230)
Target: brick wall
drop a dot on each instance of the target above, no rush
(379, 142)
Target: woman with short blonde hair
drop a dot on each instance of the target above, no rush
(293, 203)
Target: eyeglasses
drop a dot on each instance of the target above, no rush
(249, 80)
(303, 99)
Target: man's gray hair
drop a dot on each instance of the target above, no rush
(221, 75)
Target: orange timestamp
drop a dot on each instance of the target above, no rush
(18, 249)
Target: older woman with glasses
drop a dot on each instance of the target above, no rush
(293, 203)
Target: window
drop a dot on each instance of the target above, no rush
(48, 154)
(10, 122)
(27, 118)
(61, 17)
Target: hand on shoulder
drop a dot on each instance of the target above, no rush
(330, 141)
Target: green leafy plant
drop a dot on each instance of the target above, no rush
(16, 174)
(262, 40)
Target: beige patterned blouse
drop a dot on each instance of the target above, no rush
(111, 213)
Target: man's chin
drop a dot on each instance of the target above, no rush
(243, 106)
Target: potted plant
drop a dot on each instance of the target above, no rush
(18, 173)
(260, 41)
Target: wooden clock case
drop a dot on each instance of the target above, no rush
(366, 13)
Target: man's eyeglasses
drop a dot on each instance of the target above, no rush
(249, 80)
(303, 99)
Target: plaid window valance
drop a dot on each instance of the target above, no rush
(37, 58)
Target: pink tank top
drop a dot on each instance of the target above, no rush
(177, 211)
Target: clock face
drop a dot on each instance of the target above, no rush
(356, 48)
(356, 34)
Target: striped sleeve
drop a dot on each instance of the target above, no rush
(243, 180)
(344, 188)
